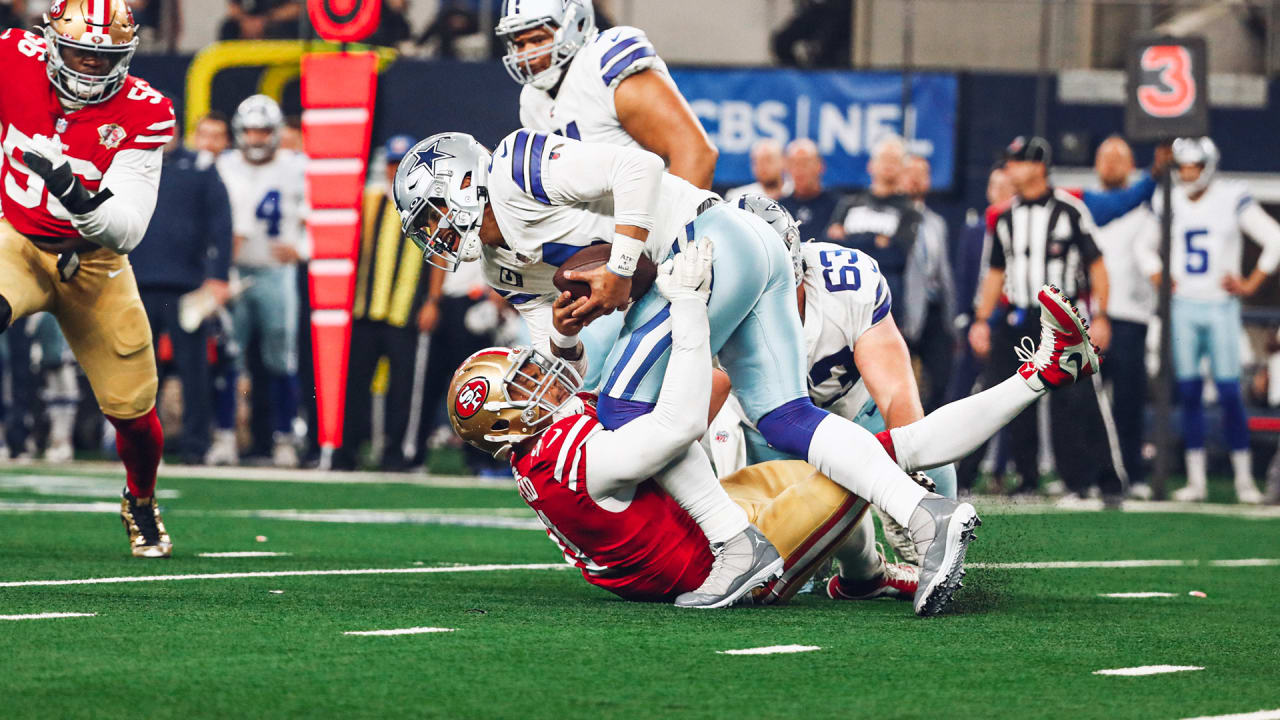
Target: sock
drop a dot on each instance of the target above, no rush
(956, 429)
(224, 400)
(1234, 424)
(852, 457)
(1242, 464)
(139, 442)
(692, 483)
(284, 400)
(858, 557)
(1196, 475)
(1191, 396)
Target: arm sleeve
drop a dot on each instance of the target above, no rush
(218, 217)
(573, 172)
(120, 222)
(643, 447)
(1264, 230)
(1108, 205)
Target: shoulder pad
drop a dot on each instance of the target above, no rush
(623, 51)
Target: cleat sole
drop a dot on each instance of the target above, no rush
(938, 596)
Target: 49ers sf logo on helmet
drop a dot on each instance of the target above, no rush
(471, 397)
(57, 8)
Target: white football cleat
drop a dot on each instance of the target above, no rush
(224, 449)
(1065, 354)
(285, 453)
(1247, 492)
(942, 530)
(1191, 493)
(743, 562)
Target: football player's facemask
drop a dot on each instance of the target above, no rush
(772, 212)
(98, 37)
(570, 23)
(441, 189)
(1196, 151)
(500, 397)
(257, 112)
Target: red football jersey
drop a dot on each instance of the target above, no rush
(644, 548)
(136, 117)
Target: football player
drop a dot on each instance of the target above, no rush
(539, 199)
(1209, 218)
(859, 368)
(81, 168)
(267, 188)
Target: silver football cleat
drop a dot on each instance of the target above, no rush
(942, 529)
(743, 562)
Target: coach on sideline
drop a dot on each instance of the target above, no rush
(1046, 237)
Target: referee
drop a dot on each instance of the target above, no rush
(1046, 237)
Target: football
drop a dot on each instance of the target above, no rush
(592, 257)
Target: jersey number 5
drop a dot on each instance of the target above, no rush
(269, 212)
(840, 271)
(1197, 257)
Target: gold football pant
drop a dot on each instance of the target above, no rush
(100, 314)
(803, 513)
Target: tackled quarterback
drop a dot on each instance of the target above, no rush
(82, 154)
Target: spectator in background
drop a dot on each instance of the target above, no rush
(820, 34)
(187, 247)
(259, 19)
(291, 134)
(1131, 307)
(393, 25)
(455, 19)
(211, 138)
(882, 222)
(769, 170)
(809, 203)
(13, 14)
(929, 330)
(390, 290)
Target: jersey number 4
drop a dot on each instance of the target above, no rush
(840, 271)
(269, 211)
(1197, 257)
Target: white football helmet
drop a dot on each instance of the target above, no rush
(772, 212)
(441, 189)
(572, 23)
(257, 112)
(1196, 151)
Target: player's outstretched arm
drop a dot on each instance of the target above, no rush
(646, 445)
(1264, 230)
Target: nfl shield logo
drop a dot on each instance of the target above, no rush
(471, 397)
(111, 136)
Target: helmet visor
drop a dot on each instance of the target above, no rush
(539, 384)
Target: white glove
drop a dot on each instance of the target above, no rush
(49, 148)
(687, 274)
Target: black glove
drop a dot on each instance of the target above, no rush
(75, 197)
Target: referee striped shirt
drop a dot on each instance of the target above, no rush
(1048, 240)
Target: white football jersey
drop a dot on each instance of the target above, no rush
(1207, 244)
(845, 296)
(583, 107)
(268, 204)
(552, 196)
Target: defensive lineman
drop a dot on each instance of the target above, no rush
(539, 195)
(81, 167)
(1209, 217)
(267, 189)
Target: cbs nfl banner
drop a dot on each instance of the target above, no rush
(844, 112)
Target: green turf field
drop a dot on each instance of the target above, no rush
(538, 642)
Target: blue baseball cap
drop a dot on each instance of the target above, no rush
(398, 146)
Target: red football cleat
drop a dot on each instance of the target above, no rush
(898, 581)
(1065, 353)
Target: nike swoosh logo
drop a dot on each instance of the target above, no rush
(114, 273)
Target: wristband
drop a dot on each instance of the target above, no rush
(564, 342)
(624, 255)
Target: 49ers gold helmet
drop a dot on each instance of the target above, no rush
(105, 27)
(502, 396)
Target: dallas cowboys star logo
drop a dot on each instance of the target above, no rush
(428, 156)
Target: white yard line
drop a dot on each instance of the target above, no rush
(771, 650)
(401, 631)
(283, 573)
(1138, 595)
(1147, 670)
(1083, 564)
(267, 474)
(46, 616)
(243, 554)
(1259, 715)
(1245, 562)
(86, 507)
(501, 518)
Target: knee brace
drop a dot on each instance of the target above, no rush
(1190, 393)
(790, 427)
(6, 314)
